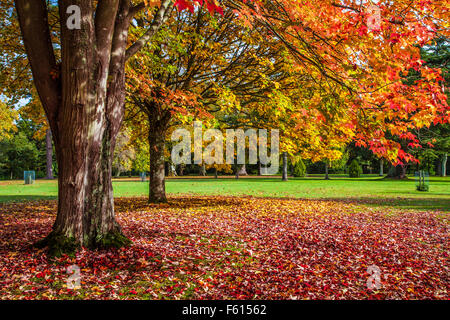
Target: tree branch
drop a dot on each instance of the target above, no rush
(105, 17)
(160, 18)
(33, 20)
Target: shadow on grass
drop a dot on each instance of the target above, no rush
(138, 203)
(182, 202)
(199, 201)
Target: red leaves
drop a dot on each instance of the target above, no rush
(394, 38)
(231, 248)
(212, 5)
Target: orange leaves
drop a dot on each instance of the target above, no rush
(213, 6)
(365, 66)
(343, 69)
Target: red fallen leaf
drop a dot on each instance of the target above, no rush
(250, 248)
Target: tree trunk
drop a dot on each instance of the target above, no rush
(156, 139)
(158, 119)
(327, 177)
(203, 170)
(444, 165)
(49, 154)
(84, 99)
(182, 166)
(88, 121)
(381, 167)
(398, 172)
(216, 175)
(172, 170)
(259, 168)
(285, 167)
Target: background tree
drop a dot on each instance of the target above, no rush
(196, 66)
(124, 154)
(7, 117)
(17, 154)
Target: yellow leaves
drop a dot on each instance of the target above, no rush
(7, 117)
(152, 3)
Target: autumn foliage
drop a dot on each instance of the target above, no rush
(235, 248)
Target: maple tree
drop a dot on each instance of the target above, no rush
(197, 66)
(332, 43)
(82, 92)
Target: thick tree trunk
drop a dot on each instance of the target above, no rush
(259, 168)
(158, 119)
(84, 100)
(285, 167)
(49, 154)
(216, 174)
(85, 199)
(84, 116)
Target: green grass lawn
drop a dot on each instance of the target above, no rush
(370, 190)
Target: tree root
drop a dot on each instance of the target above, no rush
(58, 244)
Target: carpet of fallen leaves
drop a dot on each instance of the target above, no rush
(235, 248)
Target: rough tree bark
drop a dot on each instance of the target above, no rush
(49, 154)
(83, 98)
(157, 192)
(285, 167)
(158, 123)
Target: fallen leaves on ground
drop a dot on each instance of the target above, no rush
(235, 248)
